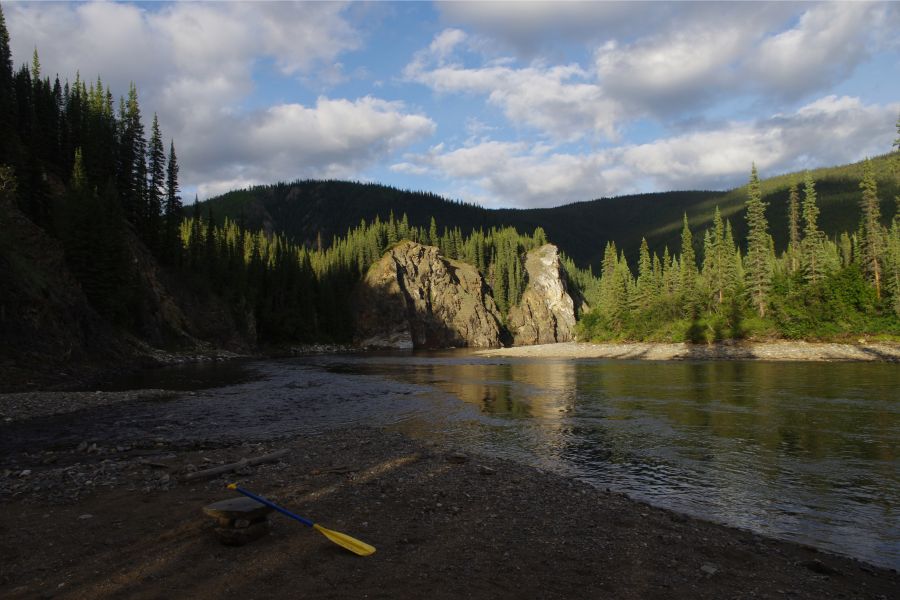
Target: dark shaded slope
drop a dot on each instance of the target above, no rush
(305, 210)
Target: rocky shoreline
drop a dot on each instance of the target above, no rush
(773, 350)
(446, 524)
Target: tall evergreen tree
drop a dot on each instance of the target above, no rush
(734, 275)
(172, 242)
(715, 258)
(433, 238)
(688, 264)
(794, 227)
(35, 68)
(7, 96)
(156, 156)
(759, 263)
(132, 168)
(872, 233)
(813, 238)
(644, 288)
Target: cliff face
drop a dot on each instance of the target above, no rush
(46, 322)
(50, 333)
(546, 313)
(413, 297)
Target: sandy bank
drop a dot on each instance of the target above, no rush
(780, 350)
(445, 525)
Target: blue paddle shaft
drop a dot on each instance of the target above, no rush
(271, 504)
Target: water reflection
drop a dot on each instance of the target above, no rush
(804, 451)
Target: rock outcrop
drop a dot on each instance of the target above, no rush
(546, 313)
(415, 298)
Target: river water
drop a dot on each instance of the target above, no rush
(801, 451)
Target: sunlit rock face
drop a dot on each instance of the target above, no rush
(415, 298)
(546, 313)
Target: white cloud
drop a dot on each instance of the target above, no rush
(831, 130)
(526, 26)
(671, 61)
(194, 65)
(555, 100)
(666, 74)
(663, 63)
(334, 139)
(825, 46)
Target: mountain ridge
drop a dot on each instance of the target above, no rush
(313, 211)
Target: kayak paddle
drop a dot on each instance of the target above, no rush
(341, 539)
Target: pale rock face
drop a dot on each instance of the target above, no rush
(415, 298)
(546, 313)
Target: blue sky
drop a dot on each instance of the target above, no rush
(503, 104)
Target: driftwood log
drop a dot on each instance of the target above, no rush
(244, 462)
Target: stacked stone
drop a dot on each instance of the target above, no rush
(239, 520)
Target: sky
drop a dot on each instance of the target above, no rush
(501, 104)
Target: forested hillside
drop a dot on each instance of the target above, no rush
(97, 257)
(818, 287)
(309, 211)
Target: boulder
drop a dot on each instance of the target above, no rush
(415, 298)
(546, 312)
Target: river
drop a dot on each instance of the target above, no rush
(800, 451)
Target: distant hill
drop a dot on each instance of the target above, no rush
(308, 210)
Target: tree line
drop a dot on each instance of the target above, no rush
(84, 171)
(296, 292)
(819, 287)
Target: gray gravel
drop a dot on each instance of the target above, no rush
(27, 405)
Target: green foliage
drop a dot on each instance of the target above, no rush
(295, 283)
(812, 244)
(297, 293)
(832, 296)
(759, 251)
(172, 249)
(871, 232)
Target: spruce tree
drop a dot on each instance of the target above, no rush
(846, 247)
(759, 263)
(195, 241)
(813, 238)
(172, 241)
(156, 186)
(132, 168)
(715, 258)
(35, 68)
(7, 96)
(872, 233)
(433, 238)
(733, 263)
(644, 288)
(688, 266)
(794, 228)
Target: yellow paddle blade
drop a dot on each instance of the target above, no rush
(345, 541)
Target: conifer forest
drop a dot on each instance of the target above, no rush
(78, 160)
